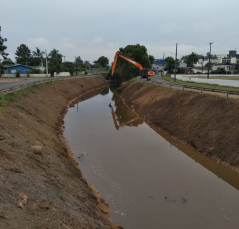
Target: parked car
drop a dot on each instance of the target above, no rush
(85, 73)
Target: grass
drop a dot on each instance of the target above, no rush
(11, 96)
(129, 81)
(169, 79)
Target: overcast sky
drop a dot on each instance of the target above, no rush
(94, 28)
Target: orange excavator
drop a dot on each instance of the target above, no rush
(144, 73)
(117, 127)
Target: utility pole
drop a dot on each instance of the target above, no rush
(41, 66)
(175, 61)
(163, 64)
(209, 60)
(202, 63)
(46, 65)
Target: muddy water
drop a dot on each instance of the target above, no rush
(149, 180)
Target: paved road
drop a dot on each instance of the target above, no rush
(18, 83)
(156, 78)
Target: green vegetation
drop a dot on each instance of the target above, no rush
(101, 62)
(205, 57)
(124, 70)
(191, 59)
(18, 73)
(169, 79)
(11, 96)
(129, 81)
(23, 55)
(2, 50)
(170, 66)
(2, 46)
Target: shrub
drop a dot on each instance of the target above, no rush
(18, 73)
(36, 71)
(28, 72)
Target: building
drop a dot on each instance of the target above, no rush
(226, 66)
(12, 69)
(231, 58)
(159, 65)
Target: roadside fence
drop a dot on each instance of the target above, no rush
(183, 86)
(25, 85)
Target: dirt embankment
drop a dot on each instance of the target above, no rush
(206, 123)
(57, 194)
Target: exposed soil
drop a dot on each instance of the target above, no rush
(207, 123)
(55, 193)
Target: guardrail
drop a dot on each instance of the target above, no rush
(183, 86)
(24, 85)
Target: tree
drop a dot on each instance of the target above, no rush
(170, 66)
(54, 65)
(55, 54)
(151, 58)
(191, 59)
(8, 62)
(79, 62)
(125, 70)
(2, 50)
(97, 65)
(23, 54)
(68, 67)
(3, 47)
(103, 61)
(38, 53)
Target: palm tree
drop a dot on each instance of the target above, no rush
(38, 53)
(55, 54)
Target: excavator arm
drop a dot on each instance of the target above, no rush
(126, 58)
(117, 127)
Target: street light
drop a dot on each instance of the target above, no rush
(209, 60)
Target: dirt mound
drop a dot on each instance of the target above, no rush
(207, 123)
(40, 184)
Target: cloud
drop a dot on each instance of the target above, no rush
(167, 28)
(98, 40)
(40, 42)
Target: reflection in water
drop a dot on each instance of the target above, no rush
(122, 114)
(114, 85)
(117, 127)
(105, 91)
(147, 182)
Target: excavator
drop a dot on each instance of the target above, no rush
(144, 73)
(117, 127)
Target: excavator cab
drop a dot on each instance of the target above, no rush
(145, 74)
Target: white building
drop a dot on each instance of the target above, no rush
(159, 65)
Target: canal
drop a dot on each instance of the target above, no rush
(149, 179)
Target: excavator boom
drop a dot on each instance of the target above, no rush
(126, 58)
(143, 72)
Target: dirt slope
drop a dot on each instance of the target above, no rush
(207, 123)
(58, 195)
